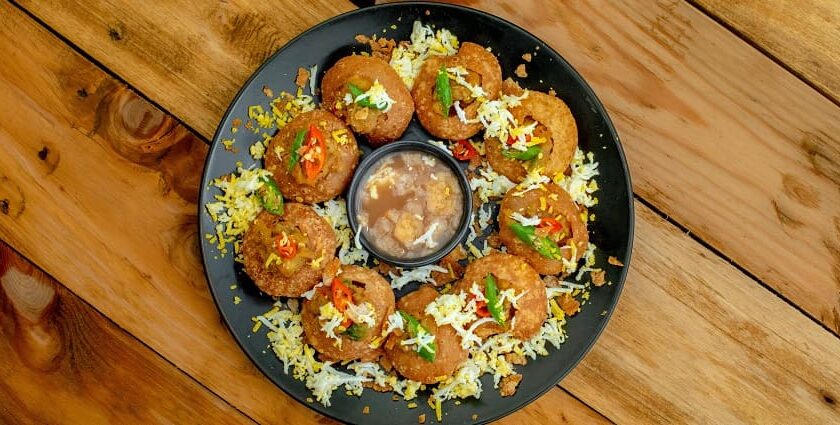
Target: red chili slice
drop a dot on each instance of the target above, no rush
(464, 150)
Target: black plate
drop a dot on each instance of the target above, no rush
(612, 231)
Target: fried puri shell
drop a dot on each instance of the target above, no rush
(555, 123)
(482, 67)
(378, 126)
(406, 361)
(367, 286)
(558, 204)
(342, 158)
(292, 277)
(510, 271)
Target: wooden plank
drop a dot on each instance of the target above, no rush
(802, 34)
(718, 136)
(63, 360)
(195, 54)
(693, 339)
(91, 161)
(555, 407)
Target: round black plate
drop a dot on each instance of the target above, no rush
(612, 231)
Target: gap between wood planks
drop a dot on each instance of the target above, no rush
(752, 43)
(9, 250)
(204, 140)
(648, 204)
(732, 262)
(198, 135)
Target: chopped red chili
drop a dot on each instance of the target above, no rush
(464, 150)
(341, 298)
(551, 225)
(314, 153)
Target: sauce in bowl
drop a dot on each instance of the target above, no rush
(410, 204)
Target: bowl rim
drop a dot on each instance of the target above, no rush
(361, 173)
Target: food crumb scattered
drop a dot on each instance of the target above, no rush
(598, 277)
(421, 419)
(366, 410)
(427, 13)
(614, 261)
(236, 122)
(569, 304)
(520, 71)
(268, 92)
(309, 400)
(526, 57)
(551, 92)
(395, 398)
(302, 77)
(509, 384)
(474, 416)
(412, 405)
(237, 300)
(232, 287)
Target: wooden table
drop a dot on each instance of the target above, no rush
(728, 111)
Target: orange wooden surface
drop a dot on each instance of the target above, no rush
(734, 145)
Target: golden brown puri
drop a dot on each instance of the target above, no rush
(314, 242)
(367, 286)
(510, 271)
(449, 355)
(482, 70)
(555, 124)
(559, 206)
(341, 159)
(379, 126)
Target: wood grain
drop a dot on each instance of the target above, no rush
(128, 240)
(693, 339)
(802, 34)
(718, 136)
(194, 55)
(63, 362)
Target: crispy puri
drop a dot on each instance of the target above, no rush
(482, 70)
(510, 271)
(315, 245)
(341, 159)
(362, 71)
(367, 286)
(555, 123)
(406, 361)
(558, 205)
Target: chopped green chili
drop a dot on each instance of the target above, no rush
(270, 196)
(491, 292)
(415, 328)
(295, 156)
(355, 91)
(526, 155)
(443, 91)
(356, 331)
(544, 246)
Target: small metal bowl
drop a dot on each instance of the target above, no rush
(362, 171)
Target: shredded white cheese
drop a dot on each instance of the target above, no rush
(427, 238)
(419, 274)
(377, 96)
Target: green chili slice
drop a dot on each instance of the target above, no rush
(443, 91)
(526, 155)
(270, 196)
(544, 246)
(426, 352)
(491, 292)
(356, 331)
(293, 159)
(355, 91)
